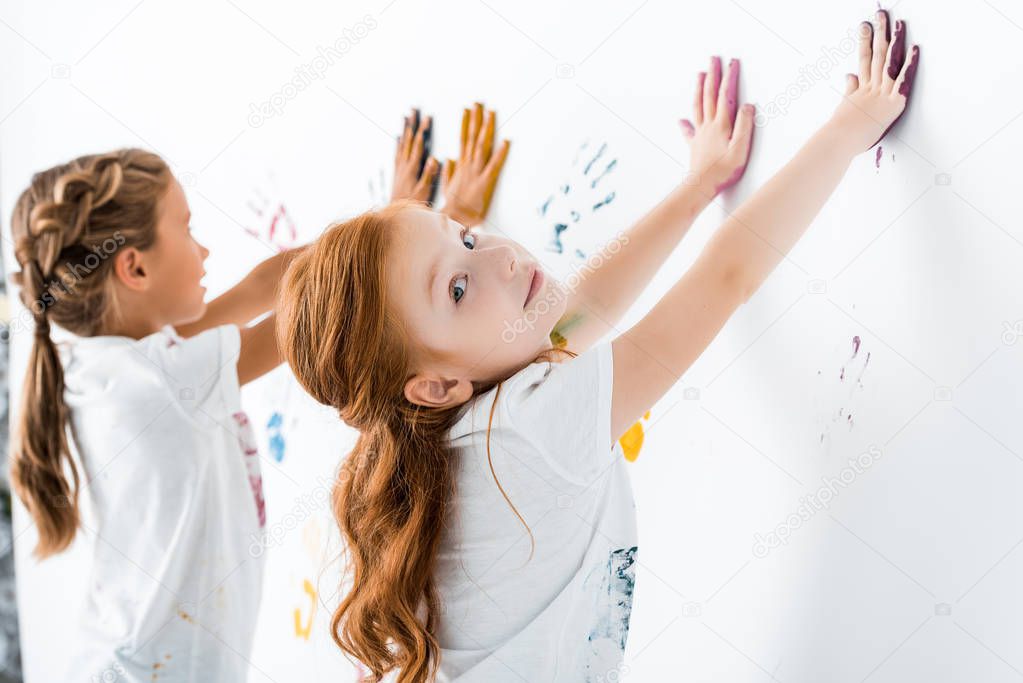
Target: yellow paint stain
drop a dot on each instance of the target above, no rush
(186, 616)
(300, 630)
(632, 439)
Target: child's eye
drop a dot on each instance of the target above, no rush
(458, 288)
(469, 239)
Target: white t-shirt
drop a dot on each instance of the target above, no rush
(173, 502)
(564, 614)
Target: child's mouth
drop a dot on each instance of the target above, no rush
(535, 281)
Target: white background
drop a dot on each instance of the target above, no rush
(911, 573)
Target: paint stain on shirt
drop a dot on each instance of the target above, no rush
(613, 608)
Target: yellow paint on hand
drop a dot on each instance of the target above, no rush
(300, 630)
(632, 439)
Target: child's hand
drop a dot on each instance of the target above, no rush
(415, 171)
(719, 143)
(469, 183)
(876, 98)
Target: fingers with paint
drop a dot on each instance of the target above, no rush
(877, 96)
(470, 181)
(416, 173)
(720, 137)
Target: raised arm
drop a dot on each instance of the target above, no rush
(651, 356)
(247, 300)
(719, 151)
(259, 352)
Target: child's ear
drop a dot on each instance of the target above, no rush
(437, 392)
(129, 269)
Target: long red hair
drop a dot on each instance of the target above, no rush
(392, 493)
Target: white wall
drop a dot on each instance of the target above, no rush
(912, 571)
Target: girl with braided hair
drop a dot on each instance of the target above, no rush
(134, 433)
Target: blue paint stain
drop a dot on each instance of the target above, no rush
(610, 167)
(600, 153)
(546, 205)
(556, 245)
(575, 216)
(579, 253)
(273, 426)
(580, 151)
(607, 200)
(565, 188)
(617, 583)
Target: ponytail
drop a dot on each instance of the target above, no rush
(43, 471)
(68, 216)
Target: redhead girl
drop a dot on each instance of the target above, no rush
(142, 412)
(488, 518)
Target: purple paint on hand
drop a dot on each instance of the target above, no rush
(732, 90)
(887, 24)
(715, 77)
(907, 84)
(898, 51)
(737, 173)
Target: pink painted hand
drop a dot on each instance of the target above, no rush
(721, 138)
(876, 98)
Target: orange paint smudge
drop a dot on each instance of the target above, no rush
(632, 439)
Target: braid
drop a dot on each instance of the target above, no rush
(65, 225)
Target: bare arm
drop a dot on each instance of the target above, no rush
(651, 356)
(247, 300)
(720, 145)
(259, 352)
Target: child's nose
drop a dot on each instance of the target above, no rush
(509, 261)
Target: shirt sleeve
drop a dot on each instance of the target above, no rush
(202, 371)
(564, 410)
